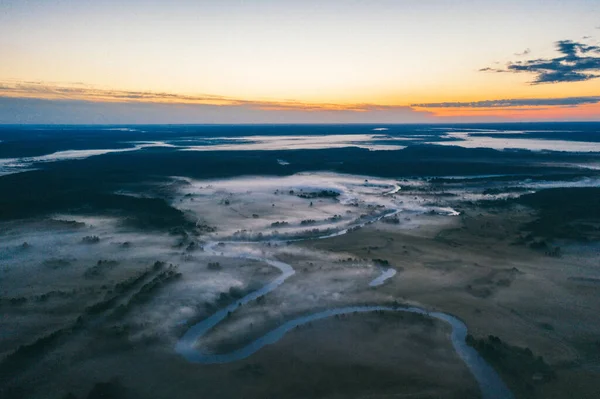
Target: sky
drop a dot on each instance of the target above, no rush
(278, 61)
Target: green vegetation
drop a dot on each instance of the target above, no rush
(391, 220)
(42, 192)
(90, 240)
(100, 268)
(496, 191)
(56, 263)
(104, 390)
(520, 367)
(565, 212)
(381, 262)
(26, 353)
(318, 194)
(161, 278)
(144, 294)
(214, 266)
(71, 224)
(307, 222)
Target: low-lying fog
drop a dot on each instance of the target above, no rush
(67, 262)
(63, 264)
(58, 269)
(298, 206)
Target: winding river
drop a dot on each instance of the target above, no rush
(490, 383)
(386, 274)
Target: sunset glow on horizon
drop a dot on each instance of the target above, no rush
(403, 61)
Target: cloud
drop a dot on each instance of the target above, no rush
(578, 62)
(516, 102)
(76, 103)
(49, 102)
(527, 51)
(488, 69)
(79, 91)
(67, 111)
